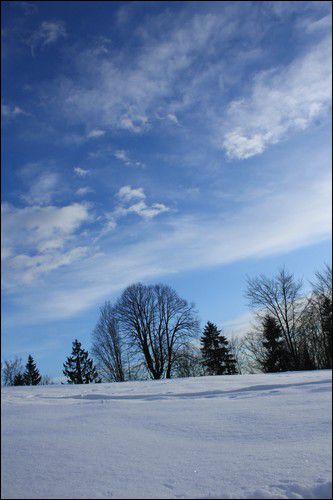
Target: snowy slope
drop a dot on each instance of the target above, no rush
(245, 436)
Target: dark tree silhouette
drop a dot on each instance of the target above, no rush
(275, 354)
(216, 352)
(108, 345)
(316, 323)
(280, 298)
(19, 379)
(79, 368)
(157, 323)
(10, 369)
(326, 326)
(31, 375)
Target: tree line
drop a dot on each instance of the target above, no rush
(151, 332)
(13, 373)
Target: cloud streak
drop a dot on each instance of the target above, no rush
(282, 101)
(48, 33)
(284, 222)
(35, 239)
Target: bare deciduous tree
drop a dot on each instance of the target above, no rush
(107, 345)
(280, 297)
(254, 352)
(157, 323)
(237, 349)
(188, 362)
(316, 323)
(10, 369)
(46, 380)
(323, 283)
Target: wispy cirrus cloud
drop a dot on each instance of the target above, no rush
(31, 268)
(84, 190)
(38, 239)
(95, 133)
(282, 101)
(129, 97)
(161, 80)
(130, 201)
(39, 228)
(10, 112)
(284, 221)
(42, 183)
(48, 33)
(27, 7)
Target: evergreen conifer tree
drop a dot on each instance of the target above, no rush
(31, 375)
(275, 357)
(79, 368)
(19, 379)
(215, 350)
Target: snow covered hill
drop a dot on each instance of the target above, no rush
(245, 436)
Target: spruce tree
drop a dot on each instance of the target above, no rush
(79, 368)
(275, 356)
(217, 358)
(19, 379)
(31, 375)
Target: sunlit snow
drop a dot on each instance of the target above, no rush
(242, 436)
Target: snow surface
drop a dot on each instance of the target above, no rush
(242, 436)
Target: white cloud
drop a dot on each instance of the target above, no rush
(42, 189)
(94, 134)
(122, 155)
(161, 78)
(126, 193)
(11, 112)
(147, 212)
(84, 190)
(173, 118)
(111, 94)
(134, 123)
(239, 146)
(31, 267)
(40, 228)
(81, 172)
(126, 196)
(276, 223)
(35, 240)
(321, 24)
(48, 33)
(239, 326)
(39, 239)
(282, 101)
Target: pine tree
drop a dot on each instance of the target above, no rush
(19, 379)
(31, 375)
(215, 350)
(275, 356)
(79, 368)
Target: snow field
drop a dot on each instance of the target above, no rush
(241, 436)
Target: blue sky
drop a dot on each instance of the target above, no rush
(188, 143)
